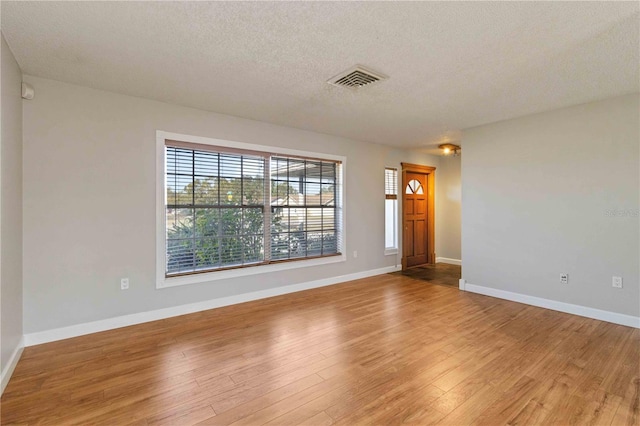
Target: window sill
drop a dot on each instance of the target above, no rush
(166, 282)
(389, 252)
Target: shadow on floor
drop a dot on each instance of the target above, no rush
(439, 274)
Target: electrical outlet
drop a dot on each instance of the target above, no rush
(355, 254)
(124, 284)
(564, 278)
(616, 282)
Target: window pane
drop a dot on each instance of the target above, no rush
(328, 195)
(279, 193)
(205, 164)
(253, 191)
(206, 191)
(329, 243)
(181, 186)
(297, 219)
(314, 220)
(180, 223)
(252, 222)
(253, 246)
(312, 192)
(314, 243)
(279, 220)
(328, 172)
(231, 251)
(179, 161)
(279, 168)
(390, 227)
(313, 171)
(279, 246)
(296, 169)
(328, 219)
(390, 181)
(230, 166)
(297, 244)
(231, 191)
(207, 253)
(180, 256)
(231, 221)
(207, 223)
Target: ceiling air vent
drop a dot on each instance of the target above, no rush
(356, 78)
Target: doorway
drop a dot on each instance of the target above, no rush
(418, 194)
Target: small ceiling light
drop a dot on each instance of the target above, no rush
(448, 148)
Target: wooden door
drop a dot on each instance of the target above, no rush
(417, 212)
(415, 219)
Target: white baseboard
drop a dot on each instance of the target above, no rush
(583, 311)
(448, 260)
(11, 365)
(142, 317)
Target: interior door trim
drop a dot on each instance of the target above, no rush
(431, 187)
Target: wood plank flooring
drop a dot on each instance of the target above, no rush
(383, 350)
(438, 273)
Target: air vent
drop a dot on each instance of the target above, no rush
(356, 78)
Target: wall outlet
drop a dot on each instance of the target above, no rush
(124, 284)
(355, 254)
(564, 278)
(616, 282)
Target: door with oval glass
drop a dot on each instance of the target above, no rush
(417, 207)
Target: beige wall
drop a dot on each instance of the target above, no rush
(89, 202)
(553, 193)
(10, 206)
(448, 201)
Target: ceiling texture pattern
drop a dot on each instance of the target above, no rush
(451, 66)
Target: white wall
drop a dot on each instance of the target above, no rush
(10, 210)
(448, 200)
(538, 194)
(89, 202)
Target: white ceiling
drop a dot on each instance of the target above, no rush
(451, 65)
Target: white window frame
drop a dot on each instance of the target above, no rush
(388, 251)
(162, 281)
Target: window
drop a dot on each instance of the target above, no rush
(414, 187)
(391, 210)
(214, 210)
(227, 208)
(303, 208)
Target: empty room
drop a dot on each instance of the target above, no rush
(314, 213)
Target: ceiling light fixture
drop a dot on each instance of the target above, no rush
(449, 148)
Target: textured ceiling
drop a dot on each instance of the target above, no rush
(451, 65)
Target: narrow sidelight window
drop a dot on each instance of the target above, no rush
(391, 209)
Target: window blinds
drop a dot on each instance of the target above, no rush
(228, 209)
(391, 183)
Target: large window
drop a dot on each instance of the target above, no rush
(391, 210)
(228, 208)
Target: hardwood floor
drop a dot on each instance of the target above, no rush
(435, 273)
(382, 350)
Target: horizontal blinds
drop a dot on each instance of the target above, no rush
(305, 219)
(391, 183)
(215, 208)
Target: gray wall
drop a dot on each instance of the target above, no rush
(89, 202)
(448, 199)
(11, 206)
(538, 194)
